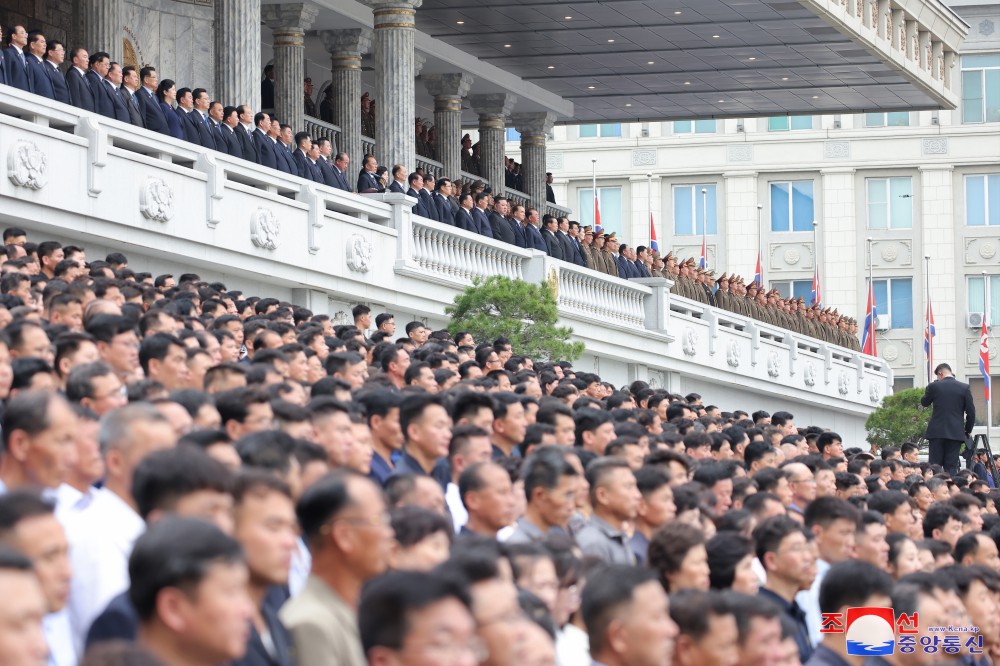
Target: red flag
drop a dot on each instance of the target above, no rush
(597, 215)
(758, 275)
(868, 345)
(984, 359)
(653, 245)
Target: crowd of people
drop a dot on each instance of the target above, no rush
(195, 476)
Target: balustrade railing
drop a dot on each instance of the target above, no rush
(367, 146)
(617, 302)
(321, 129)
(448, 252)
(430, 166)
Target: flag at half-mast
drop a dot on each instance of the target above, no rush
(868, 345)
(929, 333)
(703, 262)
(597, 215)
(984, 359)
(817, 296)
(653, 245)
(758, 275)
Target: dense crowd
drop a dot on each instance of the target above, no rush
(195, 476)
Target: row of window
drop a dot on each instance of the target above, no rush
(888, 202)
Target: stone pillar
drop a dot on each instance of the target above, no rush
(346, 47)
(105, 27)
(288, 24)
(493, 110)
(533, 127)
(237, 52)
(448, 91)
(395, 22)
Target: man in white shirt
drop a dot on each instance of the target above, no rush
(78, 492)
(469, 444)
(39, 441)
(102, 536)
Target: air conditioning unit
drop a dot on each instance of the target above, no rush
(974, 320)
(882, 323)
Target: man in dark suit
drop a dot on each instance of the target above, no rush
(416, 184)
(230, 121)
(127, 91)
(532, 236)
(55, 53)
(200, 118)
(640, 261)
(79, 89)
(152, 115)
(15, 60)
(516, 222)
(398, 183)
(445, 213)
(575, 238)
(100, 63)
(267, 88)
(185, 111)
(282, 154)
(243, 129)
(947, 430)
(367, 180)
(502, 230)
(3, 61)
(550, 195)
(552, 245)
(113, 83)
(427, 197)
(479, 215)
(303, 143)
(265, 146)
(568, 247)
(340, 164)
(312, 161)
(463, 218)
(215, 110)
(37, 76)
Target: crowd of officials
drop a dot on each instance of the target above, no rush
(195, 476)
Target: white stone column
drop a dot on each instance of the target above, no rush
(841, 236)
(345, 48)
(237, 52)
(493, 110)
(395, 22)
(288, 24)
(533, 127)
(448, 91)
(741, 230)
(105, 27)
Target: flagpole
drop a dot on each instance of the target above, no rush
(871, 289)
(704, 223)
(986, 322)
(816, 264)
(649, 204)
(760, 244)
(927, 317)
(593, 183)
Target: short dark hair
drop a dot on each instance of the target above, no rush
(388, 603)
(175, 552)
(164, 477)
(725, 551)
(669, 545)
(28, 412)
(322, 501)
(544, 468)
(851, 583)
(609, 589)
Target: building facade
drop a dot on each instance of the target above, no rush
(918, 184)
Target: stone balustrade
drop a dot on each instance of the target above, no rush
(367, 147)
(431, 166)
(175, 207)
(321, 129)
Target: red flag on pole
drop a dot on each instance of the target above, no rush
(653, 245)
(597, 215)
(868, 345)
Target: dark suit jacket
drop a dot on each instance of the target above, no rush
(550, 196)
(418, 208)
(283, 156)
(367, 182)
(177, 126)
(502, 231)
(302, 165)
(641, 267)
(131, 106)
(267, 94)
(39, 79)
(519, 238)
(80, 92)
(232, 142)
(118, 622)
(247, 144)
(118, 104)
(102, 100)
(951, 399)
(17, 74)
(58, 81)
(341, 179)
(326, 169)
(265, 148)
(463, 220)
(315, 173)
(482, 222)
(205, 136)
(430, 205)
(152, 112)
(257, 654)
(445, 213)
(187, 125)
(533, 237)
(552, 245)
(3, 68)
(394, 186)
(569, 249)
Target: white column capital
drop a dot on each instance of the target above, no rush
(292, 16)
(493, 105)
(349, 41)
(455, 84)
(534, 123)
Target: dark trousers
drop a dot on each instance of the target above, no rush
(944, 452)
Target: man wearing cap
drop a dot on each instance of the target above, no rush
(722, 293)
(310, 105)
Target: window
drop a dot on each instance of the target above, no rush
(689, 210)
(604, 131)
(694, 127)
(795, 288)
(975, 380)
(889, 203)
(792, 206)
(981, 88)
(901, 384)
(982, 200)
(894, 299)
(890, 119)
(609, 199)
(513, 134)
(786, 123)
(975, 297)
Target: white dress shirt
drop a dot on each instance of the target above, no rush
(70, 502)
(100, 542)
(459, 515)
(59, 638)
(301, 565)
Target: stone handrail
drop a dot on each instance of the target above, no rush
(559, 211)
(321, 129)
(587, 293)
(367, 146)
(430, 166)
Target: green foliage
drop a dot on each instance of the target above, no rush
(900, 419)
(522, 312)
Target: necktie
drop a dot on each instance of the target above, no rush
(20, 55)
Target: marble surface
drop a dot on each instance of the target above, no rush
(175, 37)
